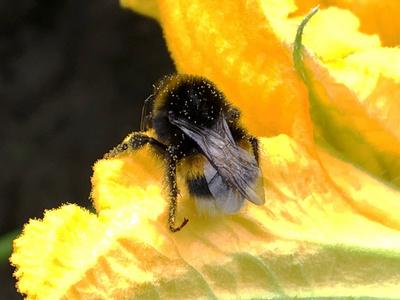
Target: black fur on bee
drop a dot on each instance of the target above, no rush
(197, 131)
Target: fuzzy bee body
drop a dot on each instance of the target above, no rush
(197, 131)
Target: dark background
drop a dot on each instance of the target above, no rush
(73, 77)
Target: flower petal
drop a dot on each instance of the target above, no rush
(146, 7)
(376, 17)
(350, 107)
(303, 242)
(322, 231)
(367, 196)
(352, 125)
(52, 254)
(245, 59)
(327, 41)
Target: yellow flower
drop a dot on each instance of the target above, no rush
(330, 155)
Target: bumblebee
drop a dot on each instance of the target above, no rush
(190, 124)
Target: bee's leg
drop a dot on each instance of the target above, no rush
(173, 190)
(254, 144)
(136, 141)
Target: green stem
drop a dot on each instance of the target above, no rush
(297, 55)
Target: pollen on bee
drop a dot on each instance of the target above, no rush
(200, 103)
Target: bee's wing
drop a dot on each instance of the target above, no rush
(228, 199)
(147, 113)
(234, 166)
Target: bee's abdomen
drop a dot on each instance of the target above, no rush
(198, 187)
